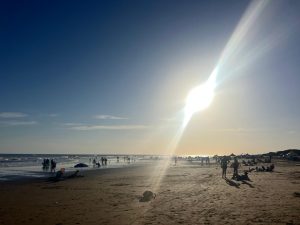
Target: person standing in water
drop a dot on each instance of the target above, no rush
(53, 165)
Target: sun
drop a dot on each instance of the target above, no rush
(198, 99)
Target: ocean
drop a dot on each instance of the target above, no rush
(18, 166)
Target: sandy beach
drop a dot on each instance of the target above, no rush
(189, 194)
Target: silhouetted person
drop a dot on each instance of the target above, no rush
(224, 166)
(235, 165)
(53, 165)
(59, 174)
(207, 160)
(243, 177)
(45, 164)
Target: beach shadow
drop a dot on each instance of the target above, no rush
(55, 180)
(232, 183)
(61, 177)
(297, 194)
(245, 182)
(119, 184)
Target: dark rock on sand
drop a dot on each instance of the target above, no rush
(147, 196)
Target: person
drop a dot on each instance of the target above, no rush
(60, 173)
(207, 160)
(45, 164)
(53, 165)
(235, 166)
(243, 177)
(224, 166)
(271, 168)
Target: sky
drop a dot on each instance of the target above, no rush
(111, 77)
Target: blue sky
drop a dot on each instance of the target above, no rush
(112, 76)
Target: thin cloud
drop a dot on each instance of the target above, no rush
(243, 130)
(10, 115)
(112, 127)
(72, 124)
(53, 115)
(18, 123)
(293, 132)
(170, 119)
(237, 130)
(109, 117)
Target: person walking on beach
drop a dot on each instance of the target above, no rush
(235, 166)
(224, 162)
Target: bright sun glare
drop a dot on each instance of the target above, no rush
(199, 98)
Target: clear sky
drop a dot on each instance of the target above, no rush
(112, 76)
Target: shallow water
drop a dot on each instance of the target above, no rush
(18, 166)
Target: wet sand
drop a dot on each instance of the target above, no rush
(189, 194)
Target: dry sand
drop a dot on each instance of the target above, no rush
(189, 194)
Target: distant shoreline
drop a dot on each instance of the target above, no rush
(139, 154)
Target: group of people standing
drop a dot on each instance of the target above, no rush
(235, 165)
(47, 163)
(97, 163)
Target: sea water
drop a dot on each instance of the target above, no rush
(16, 166)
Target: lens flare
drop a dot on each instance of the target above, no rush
(200, 97)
